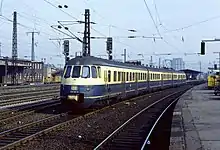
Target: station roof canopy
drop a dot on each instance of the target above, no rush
(191, 71)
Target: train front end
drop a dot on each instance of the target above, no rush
(79, 85)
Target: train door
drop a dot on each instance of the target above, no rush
(172, 79)
(136, 83)
(123, 85)
(148, 80)
(106, 82)
(162, 77)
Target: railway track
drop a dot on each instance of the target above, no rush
(9, 98)
(26, 86)
(9, 116)
(17, 136)
(136, 131)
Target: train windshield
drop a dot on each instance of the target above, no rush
(67, 72)
(94, 72)
(76, 72)
(85, 72)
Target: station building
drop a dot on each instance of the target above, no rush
(26, 71)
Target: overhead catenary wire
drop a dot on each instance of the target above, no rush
(193, 24)
(60, 9)
(157, 13)
(148, 9)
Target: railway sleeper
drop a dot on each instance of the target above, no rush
(128, 139)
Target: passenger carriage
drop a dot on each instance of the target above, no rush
(88, 80)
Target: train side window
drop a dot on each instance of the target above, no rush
(119, 76)
(76, 71)
(68, 71)
(94, 72)
(109, 76)
(115, 76)
(141, 76)
(86, 72)
(130, 76)
(123, 76)
(99, 72)
(127, 78)
(133, 76)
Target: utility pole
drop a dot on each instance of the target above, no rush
(32, 43)
(6, 71)
(151, 61)
(14, 48)
(86, 38)
(125, 53)
(0, 49)
(159, 61)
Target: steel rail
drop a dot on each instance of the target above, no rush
(158, 119)
(140, 112)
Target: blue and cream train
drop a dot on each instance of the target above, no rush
(89, 80)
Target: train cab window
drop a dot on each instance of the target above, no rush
(94, 72)
(115, 76)
(86, 72)
(109, 76)
(99, 72)
(68, 71)
(76, 72)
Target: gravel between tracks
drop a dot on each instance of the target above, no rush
(38, 115)
(86, 133)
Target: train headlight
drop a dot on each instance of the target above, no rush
(74, 88)
(87, 88)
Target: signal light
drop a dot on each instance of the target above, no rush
(215, 66)
(202, 48)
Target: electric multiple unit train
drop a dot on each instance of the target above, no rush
(89, 80)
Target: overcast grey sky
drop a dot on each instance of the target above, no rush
(122, 15)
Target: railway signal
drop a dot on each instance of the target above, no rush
(202, 48)
(109, 47)
(66, 50)
(203, 45)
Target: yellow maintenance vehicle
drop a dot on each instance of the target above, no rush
(211, 81)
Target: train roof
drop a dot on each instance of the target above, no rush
(91, 60)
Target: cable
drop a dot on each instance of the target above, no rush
(157, 27)
(194, 24)
(94, 10)
(152, 18)
(155, 5)
(117, 41)
(60, 9)
(98, 32)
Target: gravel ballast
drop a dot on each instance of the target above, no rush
(88, 132)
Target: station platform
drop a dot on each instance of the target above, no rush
(196, 121)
